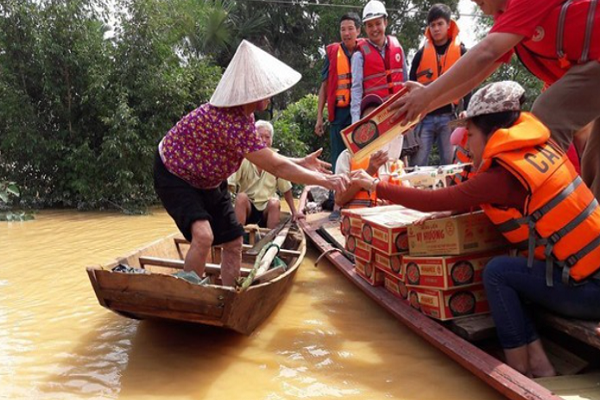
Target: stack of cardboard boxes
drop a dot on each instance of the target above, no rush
(378, 239)
(444, 267)
(436, 266)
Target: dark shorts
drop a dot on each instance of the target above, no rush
(256, 217)
(187, 204)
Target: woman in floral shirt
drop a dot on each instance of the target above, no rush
(208, 145)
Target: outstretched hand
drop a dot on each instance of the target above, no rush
(412, 105)
(337, 183)
(313, 162)
(362, 178)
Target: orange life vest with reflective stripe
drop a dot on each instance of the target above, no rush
(561, 218)
(432, 65)
(339, 80)
(462, 156)
(382, 76)
(567, 36)
(362, 198)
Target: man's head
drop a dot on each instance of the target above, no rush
(375, 20)
(491, 7)
(369, 103)
(349, 29)
(438, 21)
(265, 132)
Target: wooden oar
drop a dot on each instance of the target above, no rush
(267, 238)
(268, 257)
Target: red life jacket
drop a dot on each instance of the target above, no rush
(382, 76)
(567, 36)
(339, 80)
(561, 218)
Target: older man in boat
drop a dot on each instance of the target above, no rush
(208, 145)
(527, 187)
(256, 201)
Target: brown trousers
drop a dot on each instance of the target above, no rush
(569, 105)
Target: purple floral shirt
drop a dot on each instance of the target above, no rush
(209, 144)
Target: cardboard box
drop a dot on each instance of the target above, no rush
(449, 304)
(446, 272)
(394, 285)
(368, 272)
(391, 264)
(388, 231)
(351, 222)
(359, 248)
(460, 234)
(375, 130)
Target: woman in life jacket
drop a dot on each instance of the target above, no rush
(528, 188)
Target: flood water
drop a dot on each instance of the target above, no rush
(325, 340)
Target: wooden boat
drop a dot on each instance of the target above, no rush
(470, 341)
(159, 295)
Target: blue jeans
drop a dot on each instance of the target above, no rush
(508, 281)
(342, 120)
(433, 128)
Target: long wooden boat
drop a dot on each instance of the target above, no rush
(470, 341)
(160, 295)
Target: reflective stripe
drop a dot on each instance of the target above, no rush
(561, 29)
(376, 88)
(588, 31)
(344, 86)
(373, 76)
(394, 70)
(345, 76)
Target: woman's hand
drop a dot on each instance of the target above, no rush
(434, 215)
(412, 105)
(365, 180)
(313, 162)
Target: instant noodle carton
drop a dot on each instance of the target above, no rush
(394, 285)
(351, 222)
(390, 264)
(359, 248)
(387, 231)
(460, 234)
(368, 272)
(375, 130)
(446, 272)
(449, 304)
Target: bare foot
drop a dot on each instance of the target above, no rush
(598, 330)
(539, 364)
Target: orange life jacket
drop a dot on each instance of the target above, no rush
(462, 156)
(382, 76)
(561, 218)
(339, 80)
(362, 198)
(432, 65)
(567, 36)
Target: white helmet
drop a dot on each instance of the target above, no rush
(374, 9)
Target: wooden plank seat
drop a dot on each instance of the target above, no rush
(211, 269)
(584, 331)
(283, 252)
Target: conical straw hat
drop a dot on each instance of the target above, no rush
(252, 75)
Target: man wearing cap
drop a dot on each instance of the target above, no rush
(558, 42)
(257, 201)
(442, 49)
(379, 67)
(208, 145)
(336, 82)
